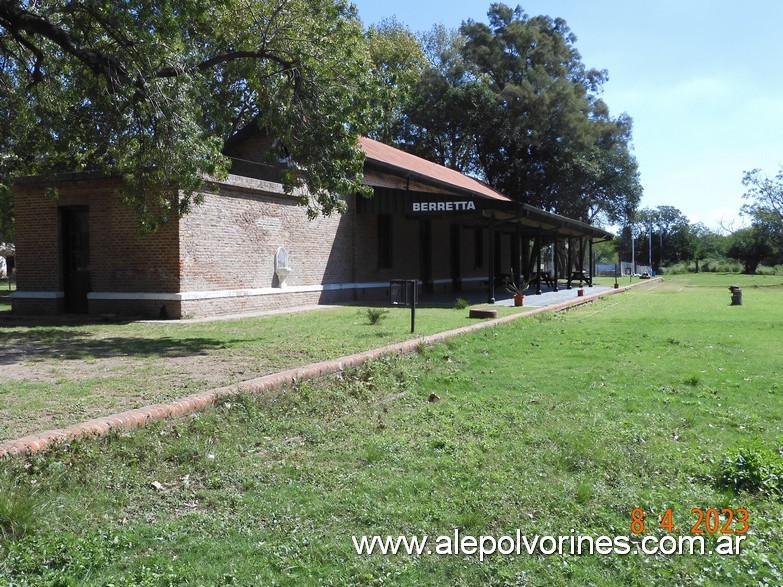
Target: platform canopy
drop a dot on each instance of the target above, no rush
(409, 184)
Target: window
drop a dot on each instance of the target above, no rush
(384, 241)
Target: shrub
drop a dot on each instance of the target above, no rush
(753, 468)
(711, 265)
(461, 304)
(677, 268)
(375, 315)
(765, 270)
(721, 265)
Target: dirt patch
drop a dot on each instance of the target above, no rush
(43, 387)
(210, 369)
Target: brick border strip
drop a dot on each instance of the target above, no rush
(198, 402)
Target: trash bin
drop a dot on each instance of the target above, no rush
(736, 295)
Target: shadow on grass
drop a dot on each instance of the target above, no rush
(70, 344)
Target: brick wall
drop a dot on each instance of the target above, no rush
(120, 259)
(37, 240)
(151, 309)
(36, 307)
(230, 241)
(226, 245)
(124, 260)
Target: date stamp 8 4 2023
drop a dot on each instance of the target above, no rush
(711, 521)
(729, 525)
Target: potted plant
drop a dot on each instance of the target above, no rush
(518, 291)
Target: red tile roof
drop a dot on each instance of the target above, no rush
(391, 157)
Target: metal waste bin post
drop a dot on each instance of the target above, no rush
(736, 295)
(403, 292)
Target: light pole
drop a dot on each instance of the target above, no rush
(649, 251)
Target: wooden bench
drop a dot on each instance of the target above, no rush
(579, 276)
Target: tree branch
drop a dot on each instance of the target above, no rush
(228, 57)
(20, 22)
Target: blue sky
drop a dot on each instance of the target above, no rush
(702, 80)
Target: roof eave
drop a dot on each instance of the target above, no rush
(432, 181)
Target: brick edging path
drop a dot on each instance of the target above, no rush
(139, 417)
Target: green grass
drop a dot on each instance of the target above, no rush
(5, 294)
(555, 425)
(71, 373)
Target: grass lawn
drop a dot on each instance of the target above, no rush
(5, 294)
(662, 398)
(54, 376)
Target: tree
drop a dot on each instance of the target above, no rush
(750, 246)
(553, 143)
(449, 108)
(662, 234)
(398, 60)
(673, 235)
(512, 104)
(766, 207)
(633, 242)
(150, 90)
(6, 214)
(705, 243)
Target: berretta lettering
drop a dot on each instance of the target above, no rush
(443, 206)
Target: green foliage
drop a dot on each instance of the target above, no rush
(766, 202)
(754, 468)
(398, 61)
(150, 93)
(20, 509)
(767, 270)
(461, 304)
(707, 245)
(64, 559)
(539, 427)
(376, 315)
(521, 288)
(750, 246)
(511, 101)
(720, 265)
(6, 210)
(665, 235)
(449, 110)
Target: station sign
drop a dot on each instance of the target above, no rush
(443, 206)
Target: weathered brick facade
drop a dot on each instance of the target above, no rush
(228, 246)
(80, 250)
(121, 259)
(220, 258)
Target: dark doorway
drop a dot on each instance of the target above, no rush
(456, 258)
(76, 257)
(425, 254)
(498, 253)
